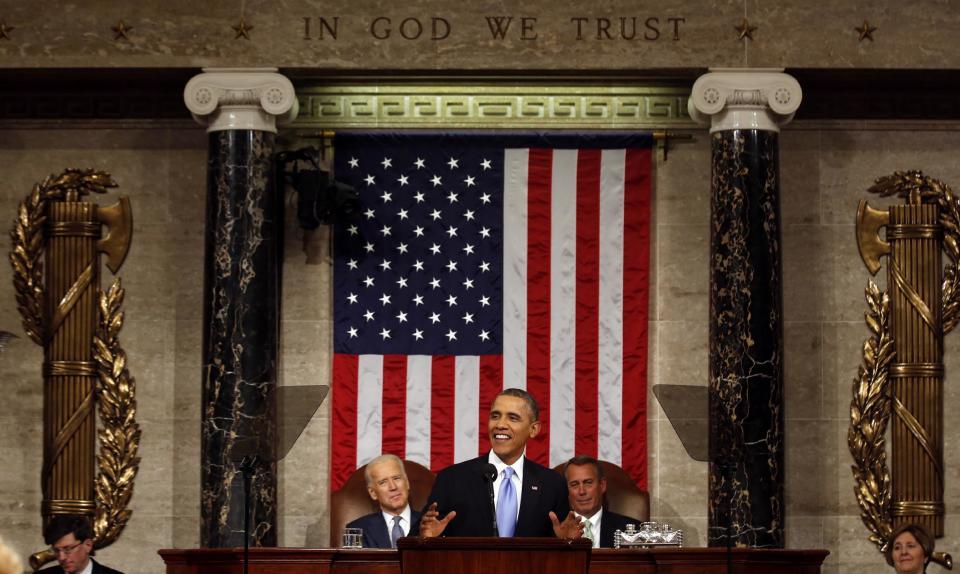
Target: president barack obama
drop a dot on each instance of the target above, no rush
(527, 498)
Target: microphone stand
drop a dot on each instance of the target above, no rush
(729, 470)
(246, 467)
(489, 476)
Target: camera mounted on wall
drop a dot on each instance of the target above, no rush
(320, 198)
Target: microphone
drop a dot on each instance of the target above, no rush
(489, 475)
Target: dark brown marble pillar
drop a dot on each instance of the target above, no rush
(746, 479)
(241, 304)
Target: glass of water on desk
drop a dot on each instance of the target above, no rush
(352, 538)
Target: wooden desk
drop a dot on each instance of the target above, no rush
(487, 555)
(373, 561)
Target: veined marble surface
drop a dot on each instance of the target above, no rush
(241, 307)
(746, 341)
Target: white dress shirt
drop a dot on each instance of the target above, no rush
(517, 479)
(89, 568)
(404, 520)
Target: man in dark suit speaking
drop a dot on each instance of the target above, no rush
(587, 487)
(502, 493)
(387, 484)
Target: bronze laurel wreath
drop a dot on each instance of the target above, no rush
(119, 435)
(25, 258)
(869, 415)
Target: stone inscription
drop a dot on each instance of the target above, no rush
(525, 28)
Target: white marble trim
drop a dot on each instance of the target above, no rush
(744, 98)
(241, 99)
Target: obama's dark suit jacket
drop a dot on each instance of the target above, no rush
(463, 487)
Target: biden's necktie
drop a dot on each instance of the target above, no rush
(396, 533)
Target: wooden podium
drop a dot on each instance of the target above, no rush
(449, 557)
(494, 555)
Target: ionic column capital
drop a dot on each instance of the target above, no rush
(744, 98)
(241, 99)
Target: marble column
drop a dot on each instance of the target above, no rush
(240, 108)
(744, 109)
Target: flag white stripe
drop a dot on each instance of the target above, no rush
(610, 351)
(369, 407)
(516, 164)
(419, 371)
(466, 407)
(563, 305)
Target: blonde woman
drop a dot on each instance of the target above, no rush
(9, 561)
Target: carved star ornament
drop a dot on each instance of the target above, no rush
(242, 29)
(745, 30)
(866, 31)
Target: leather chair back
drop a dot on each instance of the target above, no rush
(353, 501)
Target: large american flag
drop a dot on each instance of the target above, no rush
(488, 261)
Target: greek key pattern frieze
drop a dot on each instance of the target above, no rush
(492, 107)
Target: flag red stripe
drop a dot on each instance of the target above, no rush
(394, 406)
(442, 411)
(491, 383)
(636, 265)
(588, 300)
(344, 418)
(539, 182)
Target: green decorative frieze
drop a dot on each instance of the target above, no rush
(492, 106)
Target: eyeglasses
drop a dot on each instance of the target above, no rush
(66, 550)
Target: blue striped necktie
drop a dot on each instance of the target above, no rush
(507, 505)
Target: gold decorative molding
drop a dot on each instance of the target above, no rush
(492, 106)
(84, 367)
(900, 380)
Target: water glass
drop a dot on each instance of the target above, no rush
(352, 538)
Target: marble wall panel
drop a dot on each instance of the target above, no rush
(653, 465)
(811, 464)
(830, 290)
(654, 411)
(842, 354)
(799, 177)
(682, 193)
(683, 275)
(852, 159)
(680, 359)
(802, 384)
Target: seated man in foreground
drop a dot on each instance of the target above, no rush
(387, 484)
(71, 541)
(587, 487)
(502, 493)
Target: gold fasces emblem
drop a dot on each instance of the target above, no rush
(84, 368)
(900, 380)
